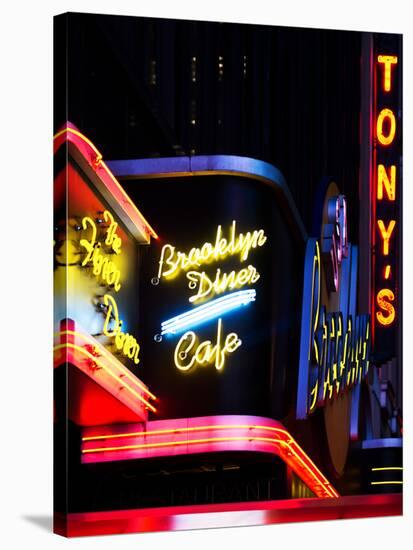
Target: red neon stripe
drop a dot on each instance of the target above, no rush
(94, 157)
(102, 445)
(174, 518)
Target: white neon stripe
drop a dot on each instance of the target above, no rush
(238, 295)
(216, 312)
(212, 305)
(203, 316)
(229, 299)
(213, 309)
(198, 315)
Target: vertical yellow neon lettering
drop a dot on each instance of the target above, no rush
(89, 245)
(112, 239)
(384, 297)
(386, 234)
(389, 183)
(111, 304)
(387, 61)
(386, 114)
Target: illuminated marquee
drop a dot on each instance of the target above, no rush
(102, 267)
(188, 352)
(172, 262)
(335, 347)
(385, 197)
(97, 256)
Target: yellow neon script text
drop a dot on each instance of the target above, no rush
(189, 352)
(173, 261)
(387, 61)
(112, 239)
(389, 183)
(124, 342)
(384, 297)
(223, 281)
(102, 267)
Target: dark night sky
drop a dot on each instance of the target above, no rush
(153, 87)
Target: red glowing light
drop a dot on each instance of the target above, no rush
(218, 433)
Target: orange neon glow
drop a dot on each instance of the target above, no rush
(386, 114)
(387, 272)
(387, 61)
(384, 297)
(109, 357)
(99, 162)
(290, 443)
(105, 368)
(389, 183)
(386, 234)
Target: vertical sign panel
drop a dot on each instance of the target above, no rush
(386, 196)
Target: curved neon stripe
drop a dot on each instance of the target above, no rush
(216, 165)
(82, 137)
(108, 355)
(99, 162)
(202, 428)
(292, 446)
(183, 442)
(205, 440)
(104, 367)
(190, 429)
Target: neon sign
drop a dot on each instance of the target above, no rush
(209, 311)
(388, 61)
(221, 282)
(189, 353)
(106, 271)
(173, 262)
(124, 342)
(385, 187)
(335, 346)
(102, 267)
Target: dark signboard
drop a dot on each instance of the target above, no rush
(220, 296)
(386, 191)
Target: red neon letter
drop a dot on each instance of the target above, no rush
(386, 234)
(388, 182)
(386, 114)
(384, 297)
(387, 61)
